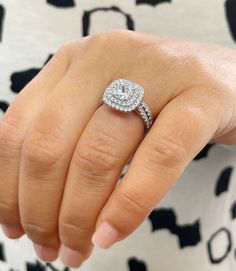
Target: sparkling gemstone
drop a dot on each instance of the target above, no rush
(123, 95)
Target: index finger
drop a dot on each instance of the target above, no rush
(180, 131)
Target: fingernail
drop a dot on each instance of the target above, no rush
(70, 257)
(46, 254)
(12, 231)
(105, 235)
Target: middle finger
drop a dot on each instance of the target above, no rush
(46, 153)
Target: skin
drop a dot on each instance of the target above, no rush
(62, 151)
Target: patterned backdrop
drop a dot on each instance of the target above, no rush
(173, 237)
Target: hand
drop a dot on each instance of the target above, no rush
(62, 152)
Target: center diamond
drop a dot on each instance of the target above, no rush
(123, 95)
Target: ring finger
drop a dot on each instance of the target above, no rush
(99, 157)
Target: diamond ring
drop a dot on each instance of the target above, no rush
(126, 96)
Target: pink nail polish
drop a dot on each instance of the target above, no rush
(46, 254)
(105, 235)
(70, 257)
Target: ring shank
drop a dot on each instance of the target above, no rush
(145, 113)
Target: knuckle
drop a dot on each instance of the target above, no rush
(62, 56)
(72, 226)
(166, 152)
(37, 232)
(97, 157)
(76, 225)
(132, 202)
(11, 137)
(9, 213)
(42, 149)
(63, 52)
(112, 35)
(94, 161)
(112, 40)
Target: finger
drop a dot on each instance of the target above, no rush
(227, 140)
(180, 131)
(13, 127)
(47, 151)
(98, 160)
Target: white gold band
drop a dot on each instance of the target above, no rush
(126, 96)
(145, 113)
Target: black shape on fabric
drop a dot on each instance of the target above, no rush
(233, 210)
(230, 10)
(62, 3)
(49, 57)
(53, 268)
(204, 152)
(188, 235)
(152, 2)
(2, 252)
(2, 15)
(223, 181)
(136, 265)
(86, 20)
(4, 105)
(35, 266)
(20, 79)
(228, 247)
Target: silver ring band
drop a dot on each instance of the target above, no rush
(145, 113)
(126, 96)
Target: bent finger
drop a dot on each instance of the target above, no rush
(13, 127)
(96, 165)
(180, 131)
(47, 152)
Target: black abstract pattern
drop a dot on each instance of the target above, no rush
(188, 235)
(222, 184)
(35, 266)
(39, 266)
(2, 253)
(230, 7)
(4, 105)
(233, 210)
(152, 2)
(21, 78)
(136, 265)
(2, 14)
(204, 152)
(216, 259)
(62, 3)
(86, 20)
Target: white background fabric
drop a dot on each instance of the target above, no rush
(33, 30)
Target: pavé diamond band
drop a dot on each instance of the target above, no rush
(126, 96)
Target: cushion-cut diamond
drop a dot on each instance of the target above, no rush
(123, 95)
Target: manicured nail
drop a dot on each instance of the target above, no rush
(70, 257)
(12, 231)
(105, 235)
(46, 254)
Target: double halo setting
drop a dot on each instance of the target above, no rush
(126, 96)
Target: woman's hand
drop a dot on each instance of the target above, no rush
(62, 152)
